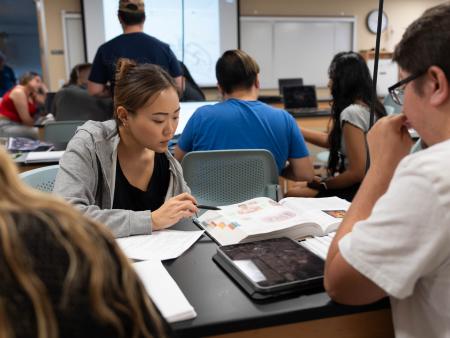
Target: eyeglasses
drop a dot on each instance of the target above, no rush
(397, 91)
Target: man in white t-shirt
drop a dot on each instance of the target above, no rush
(395, 239)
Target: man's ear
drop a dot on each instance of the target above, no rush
(257, 83)
(439, 92)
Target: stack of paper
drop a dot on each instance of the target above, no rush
(164, 292)
(44, 156)
(162, 245)
(319, 245)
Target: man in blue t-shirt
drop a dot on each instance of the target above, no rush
(133, 44)
(243, 122)
(7, 76)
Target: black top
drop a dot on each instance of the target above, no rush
(129, 197)
(139, 47)
(49, 260)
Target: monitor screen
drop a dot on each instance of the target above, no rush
(288, 83)
(300, 97)
(186, 111)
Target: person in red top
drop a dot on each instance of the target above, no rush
(19, 105)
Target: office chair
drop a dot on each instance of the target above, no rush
(221, 177)
(41, 179)
(61, 131)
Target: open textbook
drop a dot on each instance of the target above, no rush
(262, 218)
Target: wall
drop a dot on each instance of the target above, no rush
(400, 14)
(55, 42)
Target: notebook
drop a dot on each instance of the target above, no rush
(164, 291)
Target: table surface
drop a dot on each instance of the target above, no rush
(223, 307)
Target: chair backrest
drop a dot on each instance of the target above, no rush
(221, 177)
(390, 106)
(61, 131)
(75, 103)
(41, 179)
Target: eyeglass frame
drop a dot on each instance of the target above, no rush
(394, 89)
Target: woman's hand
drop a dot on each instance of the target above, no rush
(174, 210)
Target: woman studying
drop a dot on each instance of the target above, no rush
(19, 105)
(351, 89)
(63, 275)
(120, 172)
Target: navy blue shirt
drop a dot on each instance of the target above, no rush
(139, 47)
(7, 79)
(239, 124)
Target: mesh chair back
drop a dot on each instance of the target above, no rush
(61, 131)
(221, 177)
(41, 179)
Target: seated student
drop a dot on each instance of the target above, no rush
(7, 76)
(243, 122)
(63, 275)
(120, 172)
(73, 101)
(351, 88)
(394, 239)
(20, 104)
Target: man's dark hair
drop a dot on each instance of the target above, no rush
(236, 69)
(131, 18)
(426, 42)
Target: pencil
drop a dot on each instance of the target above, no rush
(207, 207)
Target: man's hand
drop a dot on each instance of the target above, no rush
(389, 142)
(174, 210)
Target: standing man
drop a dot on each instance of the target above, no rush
(133, 44)
(394, 240)
(7, 77)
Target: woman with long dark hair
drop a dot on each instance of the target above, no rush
(351, 89)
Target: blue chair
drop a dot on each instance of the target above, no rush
(59, 132)
(222, 177)
(41, 179)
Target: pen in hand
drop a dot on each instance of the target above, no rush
(207, 207)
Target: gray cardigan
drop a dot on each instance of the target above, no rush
(87, 173)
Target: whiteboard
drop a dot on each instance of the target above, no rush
(289, 47)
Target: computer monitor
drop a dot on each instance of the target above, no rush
(288, 83)
(186, 111)
(300, 97)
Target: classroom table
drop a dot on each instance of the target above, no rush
(224, 310)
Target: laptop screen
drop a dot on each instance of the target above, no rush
(289, 83)
(186, 111)
(300, 97)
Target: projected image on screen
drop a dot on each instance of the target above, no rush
(198, 31)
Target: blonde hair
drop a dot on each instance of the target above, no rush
(114, 289)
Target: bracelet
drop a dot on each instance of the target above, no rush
(320, 186)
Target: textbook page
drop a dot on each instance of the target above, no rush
(319, 245)
(327, 212)
(262, 218)
(161, 245)
(164, 291)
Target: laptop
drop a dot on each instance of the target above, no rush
(302, 101)
(289, 83)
